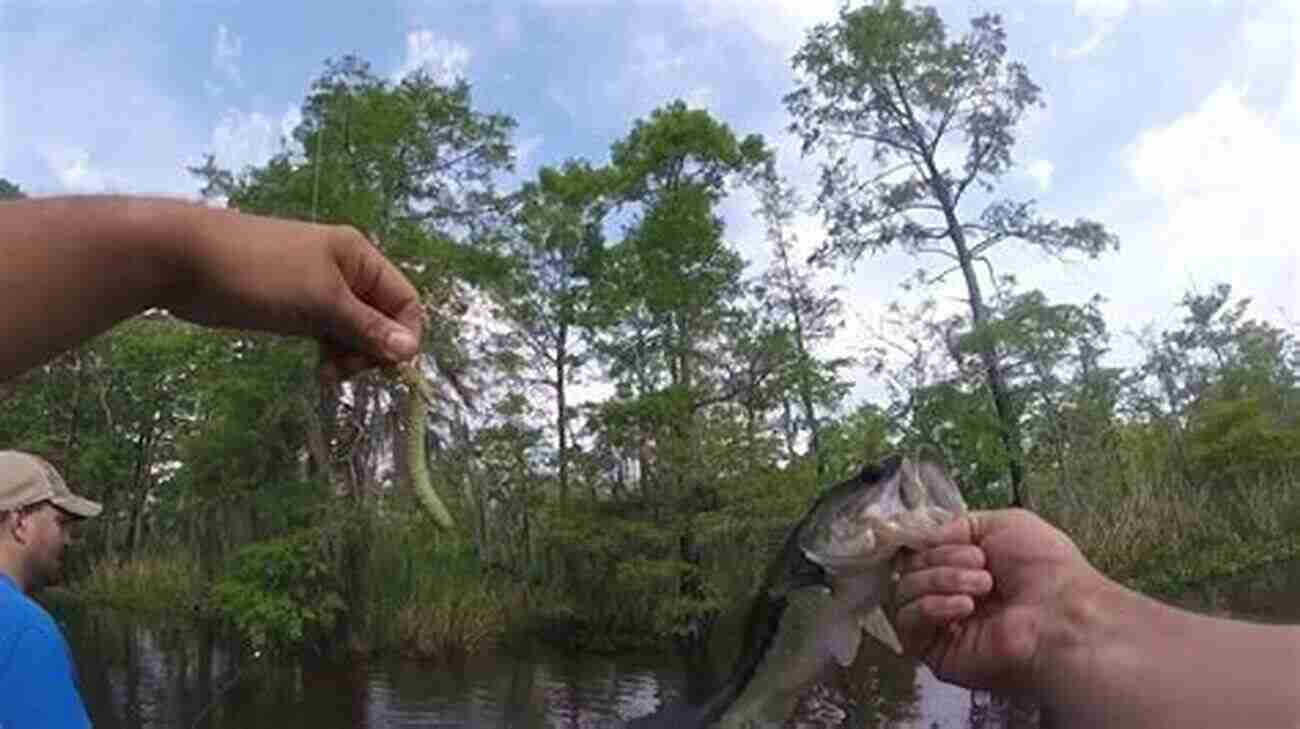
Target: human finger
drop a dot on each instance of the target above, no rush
(957, 531)
(943, 581)
(380, 312)
(949, 555)
(921, 622)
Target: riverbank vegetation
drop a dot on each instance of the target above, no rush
(631, 412)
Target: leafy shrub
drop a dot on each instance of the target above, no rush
(282, 592)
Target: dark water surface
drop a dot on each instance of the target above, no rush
(148, 674)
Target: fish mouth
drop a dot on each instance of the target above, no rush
(894, 505)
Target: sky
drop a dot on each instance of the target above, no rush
(1176, 123)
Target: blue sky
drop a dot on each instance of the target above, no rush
(1175, 123)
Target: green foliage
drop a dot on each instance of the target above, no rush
(1239, 437)
(886, 79)
(807, 318)
(282, 593)
(1226, 388)
(713, 415)
(856, 439)
(605, 546)
(250, 425)
(431, 597)
(158, 584)
(961, 423)
(10, 191)
(887, 76)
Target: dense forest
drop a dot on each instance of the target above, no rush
(629, 416)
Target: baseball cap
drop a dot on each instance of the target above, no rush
(26, 479)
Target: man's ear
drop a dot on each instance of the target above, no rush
(14, 523)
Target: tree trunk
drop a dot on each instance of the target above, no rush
(1009, 429)
(561, 426)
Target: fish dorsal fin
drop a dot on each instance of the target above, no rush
(879, 627)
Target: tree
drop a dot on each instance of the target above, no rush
(812, 318)
(885, 77)
(546, 298)
(1225, 388)
(672, 278)
(670, 291)
(1065, 399)
(10, 191)
(413, 165)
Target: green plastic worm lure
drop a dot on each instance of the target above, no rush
(417, 462)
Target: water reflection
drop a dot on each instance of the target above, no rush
(150, 674)
(184, 674)
(137, 674)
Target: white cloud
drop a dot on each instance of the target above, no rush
(777, 23)
(243, 139)
(1040, 170)
(700, 97)
(1103, 17)
(226, 52)
(289, 121)
(445, 61)
(659, 67)
(1101, 10)
(71, 166)
(652, 57)
(1207, 151)
(525, 148)
(93, 116)
(1268, 40)
(1292, 63)
(1223, 177)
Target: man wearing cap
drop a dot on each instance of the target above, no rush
(37, 683)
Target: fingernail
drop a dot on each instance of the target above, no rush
(979, 582)
(401, 344)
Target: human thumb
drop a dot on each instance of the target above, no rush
(365, 329)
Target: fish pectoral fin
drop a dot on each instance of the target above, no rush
(878, 626)
(845, 648)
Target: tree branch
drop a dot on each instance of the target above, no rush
(981, 151)
(878, 139)
(917, 126)
(938, 252)
(993, 278)
(992, 240)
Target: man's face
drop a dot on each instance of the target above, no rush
(46, 532)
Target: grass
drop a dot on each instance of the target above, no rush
(1161, 536)
(429, 597)
(157, 584)
(451, 621)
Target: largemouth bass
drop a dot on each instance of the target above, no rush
(823, 590)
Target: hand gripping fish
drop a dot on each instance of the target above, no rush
(824, 588)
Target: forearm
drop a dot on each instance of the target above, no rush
(1124, 660)
(74, 266)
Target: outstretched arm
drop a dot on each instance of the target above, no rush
(1004, 601)
(72, 267)
(1125, 660)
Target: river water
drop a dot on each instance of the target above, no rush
(149, 674)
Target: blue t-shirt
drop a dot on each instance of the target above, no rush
(38, 688)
